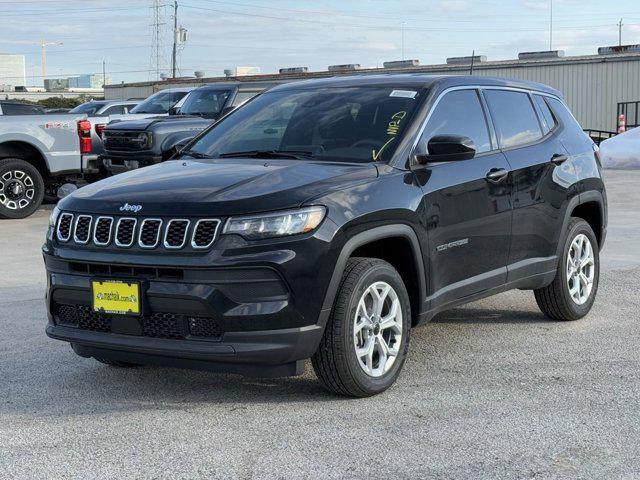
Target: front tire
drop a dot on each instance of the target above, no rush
(366, 339)
(571, 294)
(21, 188)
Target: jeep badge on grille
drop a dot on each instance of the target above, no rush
(130, 208)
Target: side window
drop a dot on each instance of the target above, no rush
(514, 117)
(564, 115)
(114, 110)
(460, 113)
(242, 97)
(548, 121)
(16, 109)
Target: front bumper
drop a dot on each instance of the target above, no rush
(261, 304)
(119, 162)
(273, 353)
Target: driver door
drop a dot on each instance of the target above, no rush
(467, 204)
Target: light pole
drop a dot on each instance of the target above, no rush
(550, 25)
(43, 46)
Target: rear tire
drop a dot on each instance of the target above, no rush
(571, 294)
(366, 339)
(21, 188)
(116, 363)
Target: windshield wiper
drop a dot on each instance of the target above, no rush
(297, 154)
(194, 154)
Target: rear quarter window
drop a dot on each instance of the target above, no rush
(548, 120)
(514, 117)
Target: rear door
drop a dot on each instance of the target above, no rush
(468, 207)
(527, 135)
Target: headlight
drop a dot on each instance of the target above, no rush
(53, 218)
(277, 224)
(145, 139)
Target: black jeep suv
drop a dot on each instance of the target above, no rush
(326, 219)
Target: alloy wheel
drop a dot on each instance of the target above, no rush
(377, 329)
(580, 269)
(16, 189)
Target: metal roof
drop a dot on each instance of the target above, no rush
(441, 68)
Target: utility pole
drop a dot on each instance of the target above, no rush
(473, 56)
(402, 29)
(620, 25)
(175, 39)
(104, 73)
(550, 25)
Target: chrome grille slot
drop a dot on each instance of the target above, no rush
(102, 231)
(64, 227)
(149, 232)
(82, 232)
(125, 232)
(204, 233)
(175, 235)
(138, 232)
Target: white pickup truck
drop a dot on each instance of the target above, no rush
(38, 152)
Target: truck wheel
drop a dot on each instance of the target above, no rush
(21, 188)
(366, 339)
(573, 290)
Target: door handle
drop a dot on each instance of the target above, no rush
(559, 158)
(496, 175)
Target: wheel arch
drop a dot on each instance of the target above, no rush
(591, 207)
(27, 152)
(372, 243)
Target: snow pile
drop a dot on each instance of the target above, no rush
(622, 151)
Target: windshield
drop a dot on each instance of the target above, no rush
(205, 102)
(159, 102)
(88, 108)
(355, 124)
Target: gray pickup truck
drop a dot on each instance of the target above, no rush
(38, 152)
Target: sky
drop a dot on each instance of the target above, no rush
(271, 34)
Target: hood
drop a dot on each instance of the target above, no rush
(219, 188)
(148, 123)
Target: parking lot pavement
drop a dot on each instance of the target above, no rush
(491, 390)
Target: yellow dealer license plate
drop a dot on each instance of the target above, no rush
(113, 296)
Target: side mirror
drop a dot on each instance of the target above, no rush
(447, 148)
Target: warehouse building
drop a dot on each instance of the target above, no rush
(596, 87)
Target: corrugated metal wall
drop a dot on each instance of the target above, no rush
(592, 90)
(591, 87)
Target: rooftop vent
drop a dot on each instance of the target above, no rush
(294, 70)
(539, 55)
(466, 60)
(401, 63)
(348, 66)
(619, 49)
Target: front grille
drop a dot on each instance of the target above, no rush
(125, 232)
(163, 325)
(67, 314)
(138, 232)
(204, 233)
(204, 327)
(149, 232)
(64, 227)
(83, 229)
(171, 326)
(124, 141)
(176, 233)
(89, 319)
(102, 231)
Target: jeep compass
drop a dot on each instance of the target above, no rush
(326, 219)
